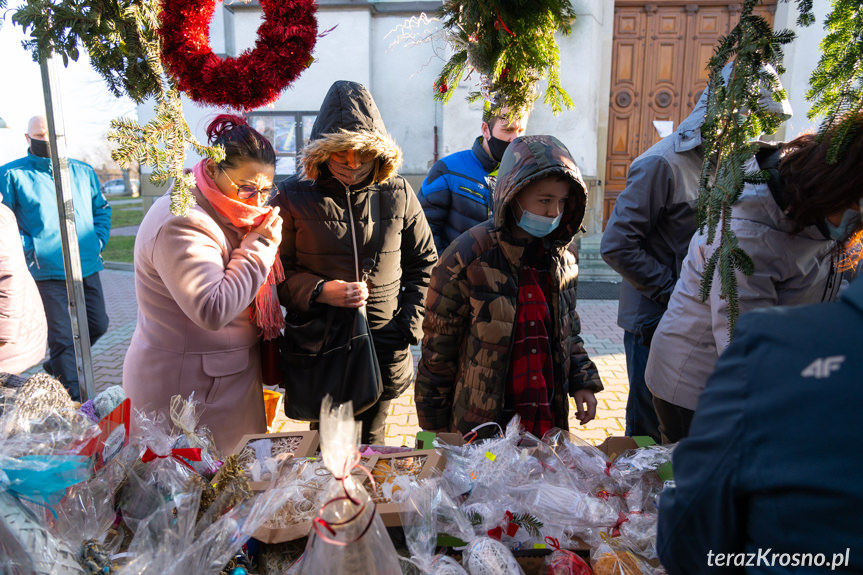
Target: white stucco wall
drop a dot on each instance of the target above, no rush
(801, 57)
(401, 83)
(363, 46)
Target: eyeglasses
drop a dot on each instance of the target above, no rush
(247, 191)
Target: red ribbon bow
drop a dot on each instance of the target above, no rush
(621, 519)
(510, 528)
(605, 495)
(181, 454)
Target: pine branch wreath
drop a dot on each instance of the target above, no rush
(108, 30)
(511, 45)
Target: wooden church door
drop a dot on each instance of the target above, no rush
(659, 55)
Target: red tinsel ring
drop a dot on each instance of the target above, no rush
(254, 78)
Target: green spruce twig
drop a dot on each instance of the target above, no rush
(529, 523)
(836, 84)
(734, 118)
(475, 517)
(121, 41)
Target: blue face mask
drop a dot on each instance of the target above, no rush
(535, 225)
(847, 227)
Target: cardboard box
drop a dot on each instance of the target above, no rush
(617, 444)
(431, 461)
(308, 446)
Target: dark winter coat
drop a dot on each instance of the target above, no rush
(319, 214)
(648, 233)
(753, 476)
(471, 309)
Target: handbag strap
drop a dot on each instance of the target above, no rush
(368, 264)
(374, 208)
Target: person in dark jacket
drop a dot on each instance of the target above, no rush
(765, 482)
(332, 226)
(646, 240)
(502, 336)
(457, 192)
(27, 187)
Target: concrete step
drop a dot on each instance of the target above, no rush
(591, 266)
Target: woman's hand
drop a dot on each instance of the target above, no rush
(585, 405)
(271, 228)
(339, 293)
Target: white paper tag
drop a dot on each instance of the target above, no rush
(664, 127)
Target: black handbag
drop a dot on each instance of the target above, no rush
(331, 352)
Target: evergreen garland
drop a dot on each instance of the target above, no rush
(836, 84)
(107, 30)
(511, 45)
(726, 141)
(120, 38)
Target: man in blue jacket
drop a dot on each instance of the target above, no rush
(456, 194)
(768, 481)
(27, 187)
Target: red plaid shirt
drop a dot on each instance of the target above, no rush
(531, 375)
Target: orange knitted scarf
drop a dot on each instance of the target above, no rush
(266, 312)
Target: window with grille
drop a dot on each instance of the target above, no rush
(288, 132)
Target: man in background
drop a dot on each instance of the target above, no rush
(27, 187)
(645, 241)
(647, 238)
(457, 193)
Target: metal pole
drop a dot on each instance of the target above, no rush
(68, 235)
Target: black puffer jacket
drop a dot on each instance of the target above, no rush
(316, 234)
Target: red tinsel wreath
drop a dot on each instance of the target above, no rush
(255, 77)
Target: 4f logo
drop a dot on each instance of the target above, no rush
(823, 366)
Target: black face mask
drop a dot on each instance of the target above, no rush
(40, 148)
(497, 147)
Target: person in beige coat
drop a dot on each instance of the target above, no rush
(799, 229)
(23, 330)
(205, 287)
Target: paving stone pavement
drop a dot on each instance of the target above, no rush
(603, 340)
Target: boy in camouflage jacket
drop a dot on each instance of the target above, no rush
(501, 333)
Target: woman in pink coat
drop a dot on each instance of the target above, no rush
(23, 331)
(204, 283)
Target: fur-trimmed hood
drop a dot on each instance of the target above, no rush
(349, 119)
